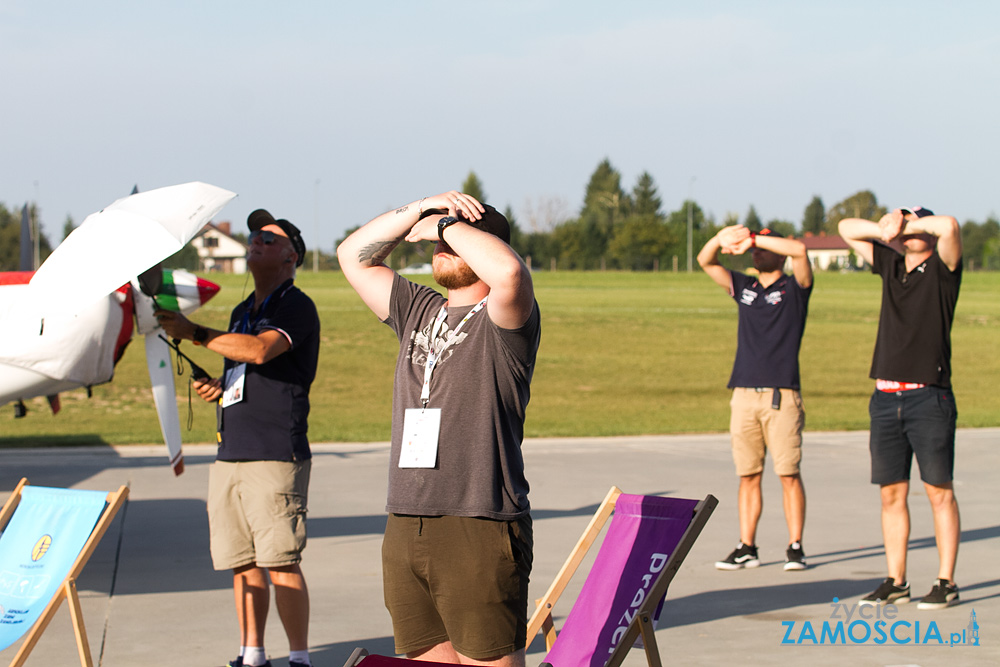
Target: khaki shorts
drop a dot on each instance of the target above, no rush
(257, 512)
(756, 427)
(457, 579)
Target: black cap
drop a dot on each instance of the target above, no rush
(918, 211)
(261, 218)
(770, 232)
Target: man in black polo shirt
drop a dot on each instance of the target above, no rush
(767, 412)
(913, 408)
(258, 486)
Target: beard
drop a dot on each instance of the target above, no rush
(455, 278)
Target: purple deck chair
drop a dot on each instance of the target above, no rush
(621, 599)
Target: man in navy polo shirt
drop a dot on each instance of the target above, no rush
(258, 486)
(766, 407)
(919, 258)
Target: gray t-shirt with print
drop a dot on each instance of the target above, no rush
(481, 383)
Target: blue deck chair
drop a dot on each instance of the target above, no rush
(48, 536)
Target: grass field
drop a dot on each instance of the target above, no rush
(621, 354)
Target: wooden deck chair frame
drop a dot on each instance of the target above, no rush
(115, 500)
(642, 624)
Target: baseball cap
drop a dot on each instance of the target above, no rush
(261, 218)
(494, 222)
(918, 211)
(770, 232)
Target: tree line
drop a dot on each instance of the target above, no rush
(615, 229)
(629, 230)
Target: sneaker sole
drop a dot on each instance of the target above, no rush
(750, 564)
(792, 565)
(937, 605)
(900, 600)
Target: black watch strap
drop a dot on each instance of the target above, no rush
(200, 334)
(443, 224)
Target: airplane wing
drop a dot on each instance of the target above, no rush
(123, 240)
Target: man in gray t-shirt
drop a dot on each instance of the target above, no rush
(457, 549)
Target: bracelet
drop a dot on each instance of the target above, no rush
(753, 239)
(420, 207)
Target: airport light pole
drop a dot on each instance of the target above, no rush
(690, 226)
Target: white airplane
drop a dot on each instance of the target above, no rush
(67, 324)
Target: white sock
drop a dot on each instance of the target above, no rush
(254, 656)
(299, 656)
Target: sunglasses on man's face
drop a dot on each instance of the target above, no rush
(266, 236)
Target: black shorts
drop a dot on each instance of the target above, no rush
(916, 421)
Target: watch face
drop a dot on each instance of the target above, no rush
(445, 222)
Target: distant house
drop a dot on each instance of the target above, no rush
(219, 251)
(830, 252)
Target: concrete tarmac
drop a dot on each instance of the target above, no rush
(150, 596)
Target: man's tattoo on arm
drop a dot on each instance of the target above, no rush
(375, 253)
(403, 209)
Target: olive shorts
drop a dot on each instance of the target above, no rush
(457, 579)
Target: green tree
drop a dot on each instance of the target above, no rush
(677, 223)
(980, 244)
(814, 217)
(68, 226)
(752, 221)
(640, 243)
(861, 204)
(10, 238)
(516, 235)
(645, 199)
(605, 206)
(783, 227)
(185, 258)
(474, 187)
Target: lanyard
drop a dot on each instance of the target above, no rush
(247, 325)
(433, 356)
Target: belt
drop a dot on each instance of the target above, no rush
(892, 386)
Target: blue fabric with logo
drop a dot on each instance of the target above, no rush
(37, 549)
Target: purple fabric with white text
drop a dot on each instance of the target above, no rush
(644, 532)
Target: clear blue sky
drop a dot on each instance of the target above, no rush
(329, 113)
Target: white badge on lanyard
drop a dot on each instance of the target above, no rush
(234, 380)
(422, 426)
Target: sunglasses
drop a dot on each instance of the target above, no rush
(266, 236)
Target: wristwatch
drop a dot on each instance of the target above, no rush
(443, 223)
(200, 335)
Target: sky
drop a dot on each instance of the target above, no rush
(330, 113)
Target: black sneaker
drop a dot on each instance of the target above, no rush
(795, 558)
(943, 594)
(238, 662)
(888, 593)
(742, 556)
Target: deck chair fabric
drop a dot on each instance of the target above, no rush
(48, 536)
(623, 594)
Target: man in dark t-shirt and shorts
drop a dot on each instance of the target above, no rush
(766, 406)
(258, 486)
(458, 543)
(913, 409)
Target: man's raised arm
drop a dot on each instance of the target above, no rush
(860, 234)
(362, 254)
